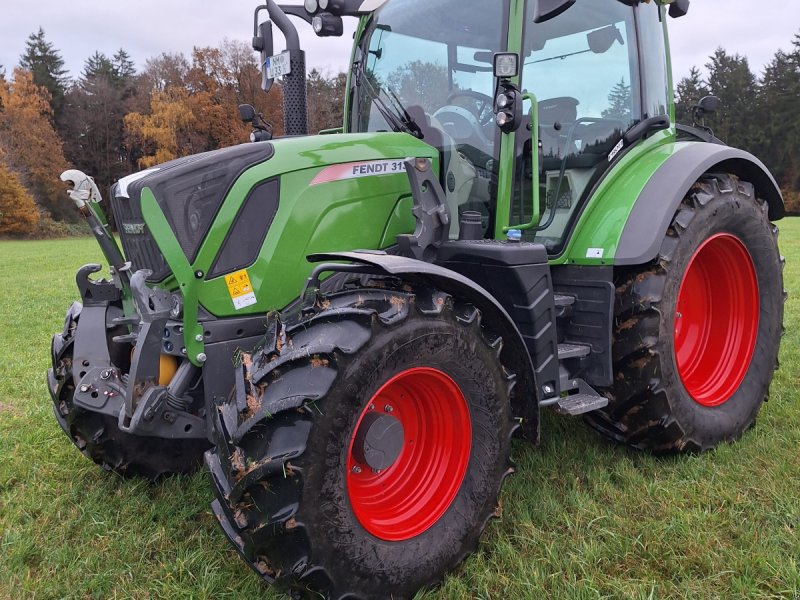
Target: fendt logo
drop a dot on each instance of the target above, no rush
(133, 228)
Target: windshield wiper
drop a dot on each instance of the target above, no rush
(411, 125)
(397, 116)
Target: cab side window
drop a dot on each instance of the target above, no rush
(583, 69)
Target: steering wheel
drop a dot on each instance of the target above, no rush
(468, 125)
(484, 116)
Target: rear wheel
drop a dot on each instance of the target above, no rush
(697, 335)
(99, 438)
(369, 454)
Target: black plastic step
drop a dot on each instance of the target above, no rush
(564, 304)
(563, 300)
(573, 351)
(578, 404)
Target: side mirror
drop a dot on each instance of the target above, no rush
(600, 41)
(706, 106)
(549, 9)
(709, 105)
(264, 44)
(247, 113)
(678, 8)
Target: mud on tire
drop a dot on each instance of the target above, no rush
(283, 459)
(686, 382)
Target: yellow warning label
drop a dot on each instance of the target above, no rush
(238, 284)
(240, 289)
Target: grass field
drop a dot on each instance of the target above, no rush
(582, 518)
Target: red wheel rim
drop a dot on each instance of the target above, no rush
(407, 498)
(716, 320)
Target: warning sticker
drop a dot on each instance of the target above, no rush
(240, 289)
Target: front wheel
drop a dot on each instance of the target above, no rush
(697, 335)
(383, 463)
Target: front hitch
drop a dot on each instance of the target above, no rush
(100, 350)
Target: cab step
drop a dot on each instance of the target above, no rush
(573, 351)
(563, 300)
(563, 304)
(579, 404)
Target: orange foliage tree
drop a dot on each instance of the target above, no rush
(19, 215)
(194, 107)
(31, 146)
(158, 133)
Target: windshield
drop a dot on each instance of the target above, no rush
(428, 65)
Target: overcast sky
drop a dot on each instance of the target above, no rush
(146, 28)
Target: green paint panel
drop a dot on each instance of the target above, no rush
(343, 214)
(602, 221)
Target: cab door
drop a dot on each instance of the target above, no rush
(582, 69)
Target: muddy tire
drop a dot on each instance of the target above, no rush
(98, 436)
(697, 334)
(363, 454)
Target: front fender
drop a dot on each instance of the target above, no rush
(514, 354)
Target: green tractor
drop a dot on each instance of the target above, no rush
(350, 327)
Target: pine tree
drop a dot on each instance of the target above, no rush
(690, 91)
(124, 69)
(731, 79)
(92, 123)
(97, 66)
(45, 62)
(619, 103)
(777, 117)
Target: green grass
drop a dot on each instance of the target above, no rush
(582, 518)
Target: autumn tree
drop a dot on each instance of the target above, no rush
(31, 145)
(19, 214)
(163, 71)
(45, 63)
(193, 107)
(160, 131)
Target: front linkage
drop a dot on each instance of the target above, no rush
(125, 403)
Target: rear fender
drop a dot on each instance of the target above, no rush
(657, 203)
(514, 354)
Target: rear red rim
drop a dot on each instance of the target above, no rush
(716, 320)
(408, 497)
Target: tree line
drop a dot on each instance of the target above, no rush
(112, 119)
(758, 113)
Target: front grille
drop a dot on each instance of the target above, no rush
(189, 191)
(139, 246)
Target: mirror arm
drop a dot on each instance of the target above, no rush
(284, 24)
(296, 11)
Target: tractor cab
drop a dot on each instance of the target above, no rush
(588, 74)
